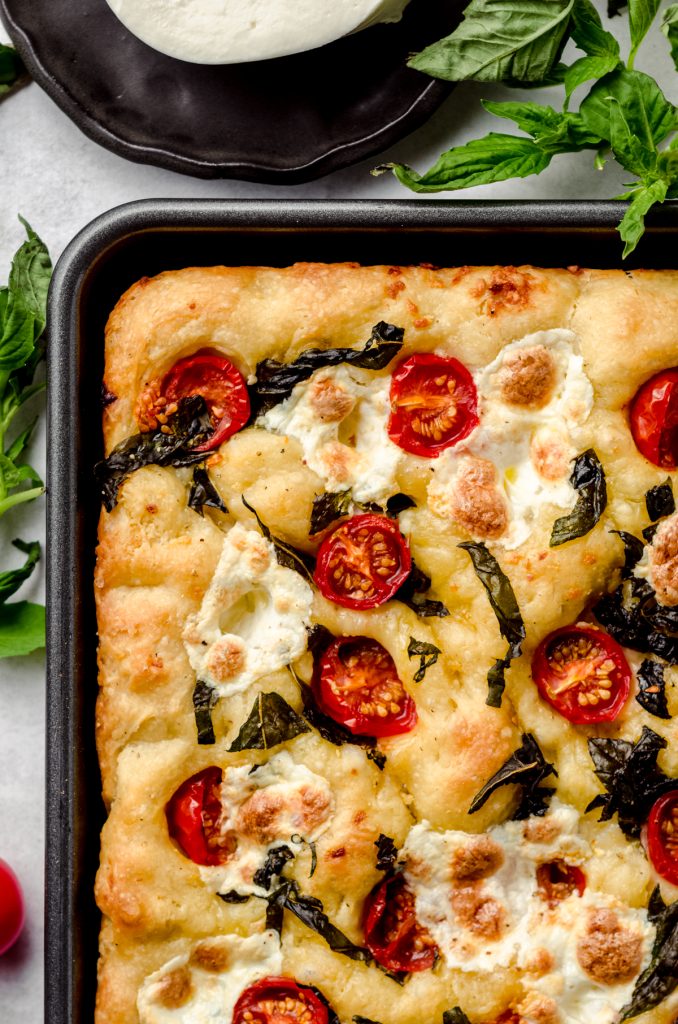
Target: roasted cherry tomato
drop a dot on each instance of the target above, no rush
(393, 935)
(582, 673)
(11, 907)
(220, 383)
(654, 419)
(558, 880)
(662, 836)
(434, 404)
(356, 683)
(279, 1001)
(362, 562)
(193, 816)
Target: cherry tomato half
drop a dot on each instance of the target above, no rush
(393, 935)
(279, 1001)
(221, 384)
(654, 419)
(582, 673)
(362, 562)
(356, 683)
(193, 815)
(434, 404)
(558, 880)
(11, 907)
(662, 836)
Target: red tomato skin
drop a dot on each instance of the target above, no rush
(411, 374)
(184, 814)
(569, 873)
(210, 374)
(12, 911)
(586, 715)
(386, 588)
(276, 988)
(654, 419)
(394, 954)
(664, 864)
(393, 724)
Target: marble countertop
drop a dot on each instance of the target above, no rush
(59, 180)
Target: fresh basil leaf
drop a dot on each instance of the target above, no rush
(412, 593)
(20, 443)
(286, 555)
(629, 150)
(310, 912)
(11, 68)
(22, 628)
(641, 15)
(505, 607)
(271, 721)
(276, 859)
(630, 775)
(233, 897)
(11, 580)
(652, 685)
(204, 493)
(12, 476)
(427, 654)
(632, 224)
(660, 977)
(587, 68)
(479, 162)
(497, 41)
(588, 32)
(526, 767)
(588, 480)
(659, 501)
(205, 698)
(647, 111)
(670, 30)
(387, 853)
(554, 132)
(455, 1016)
(275, 381)
(189, 427)
(23, 308)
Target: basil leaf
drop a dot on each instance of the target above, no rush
(588, 32)
(310, 912)
(632, 225)
(205, 698)
(633, 551)
(648, 113)
(189, 427)
(455, 1016)
(427, 654)
(670, 30)
(496, 42)
(204, 493)
(271, 721)
(11, 68)
(23, 306)
(554, 132)
(300, 841)
(660, 977)
(634, 618)
(22, 628)
(286, 555)
(505, 607)
(376, 755)
(652, 696)
(11, 580)
(233, 897)
(335, 505)
(526, 767)
(275, 381)
(412, 593)
(358, 1019)
(659, 501)
(641, 15)
(585, 69)
(588, 479)
(276, 859)
(387, 853)
(479, 162)
(319, 638)
(630, 775)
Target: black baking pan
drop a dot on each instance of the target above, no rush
(141, 239)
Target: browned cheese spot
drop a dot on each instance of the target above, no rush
(609, 952)
(330, 401)
(210, 958)
(539, 1008)
(480, 858)
(541, 830)
(479, 912)
(527, 377)
(476, 503)
(175, 989)
(258, 817)
(226, 659)
(664, 561)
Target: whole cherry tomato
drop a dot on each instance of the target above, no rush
(220, 383)
(362, 562)
(654, 419)
(434, 404)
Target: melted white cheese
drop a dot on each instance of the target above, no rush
(509, 436)
(263, 809)
(253, 618)
(232, 31)
(212, 995)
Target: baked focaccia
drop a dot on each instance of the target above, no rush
(387, 590)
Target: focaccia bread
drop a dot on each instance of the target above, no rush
(352, 773)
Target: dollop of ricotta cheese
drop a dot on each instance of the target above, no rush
(253, 617)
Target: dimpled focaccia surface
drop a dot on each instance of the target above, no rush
(156, 558)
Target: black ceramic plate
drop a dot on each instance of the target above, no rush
(280, 121)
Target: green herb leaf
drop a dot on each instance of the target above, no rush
(333, 505)
(11, 68)
(641, 15)
(286, 555)
(526, 767)
(310, 912)
(588, 32)
(455, 1016)
(587, 68)
(22, 310)
(552, 131)
(588, 480)
(205, 698)
(647, 111)
(505, 607)
(412, 592)
(652, 686)
(496, 41)
(632, 224)
(11, 580)
(204, 493)
(660, 977)
(670, 30)
(22, 628)
(427, 654)
(270, 722)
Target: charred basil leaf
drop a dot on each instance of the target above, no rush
(310, 912)
(189, 427)
(333, 505)
(300, 841)
(633, 551)
(271, 721)
(505, 607)
(629, 773)
(652, 685)
(412, 593)
(287, 556)
(357, 1019)
(427, 654)
(205, 697)
(659, 501)
(633, 616)
(233, 897)
(204, 493)
(397, 503)
(276, 859)
(333, 731)
(660, 977)
(455, 1016)
(387, 853)
(376, 755)
(526, 767)
(588, 479)
(319, 638)
(276, 381)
